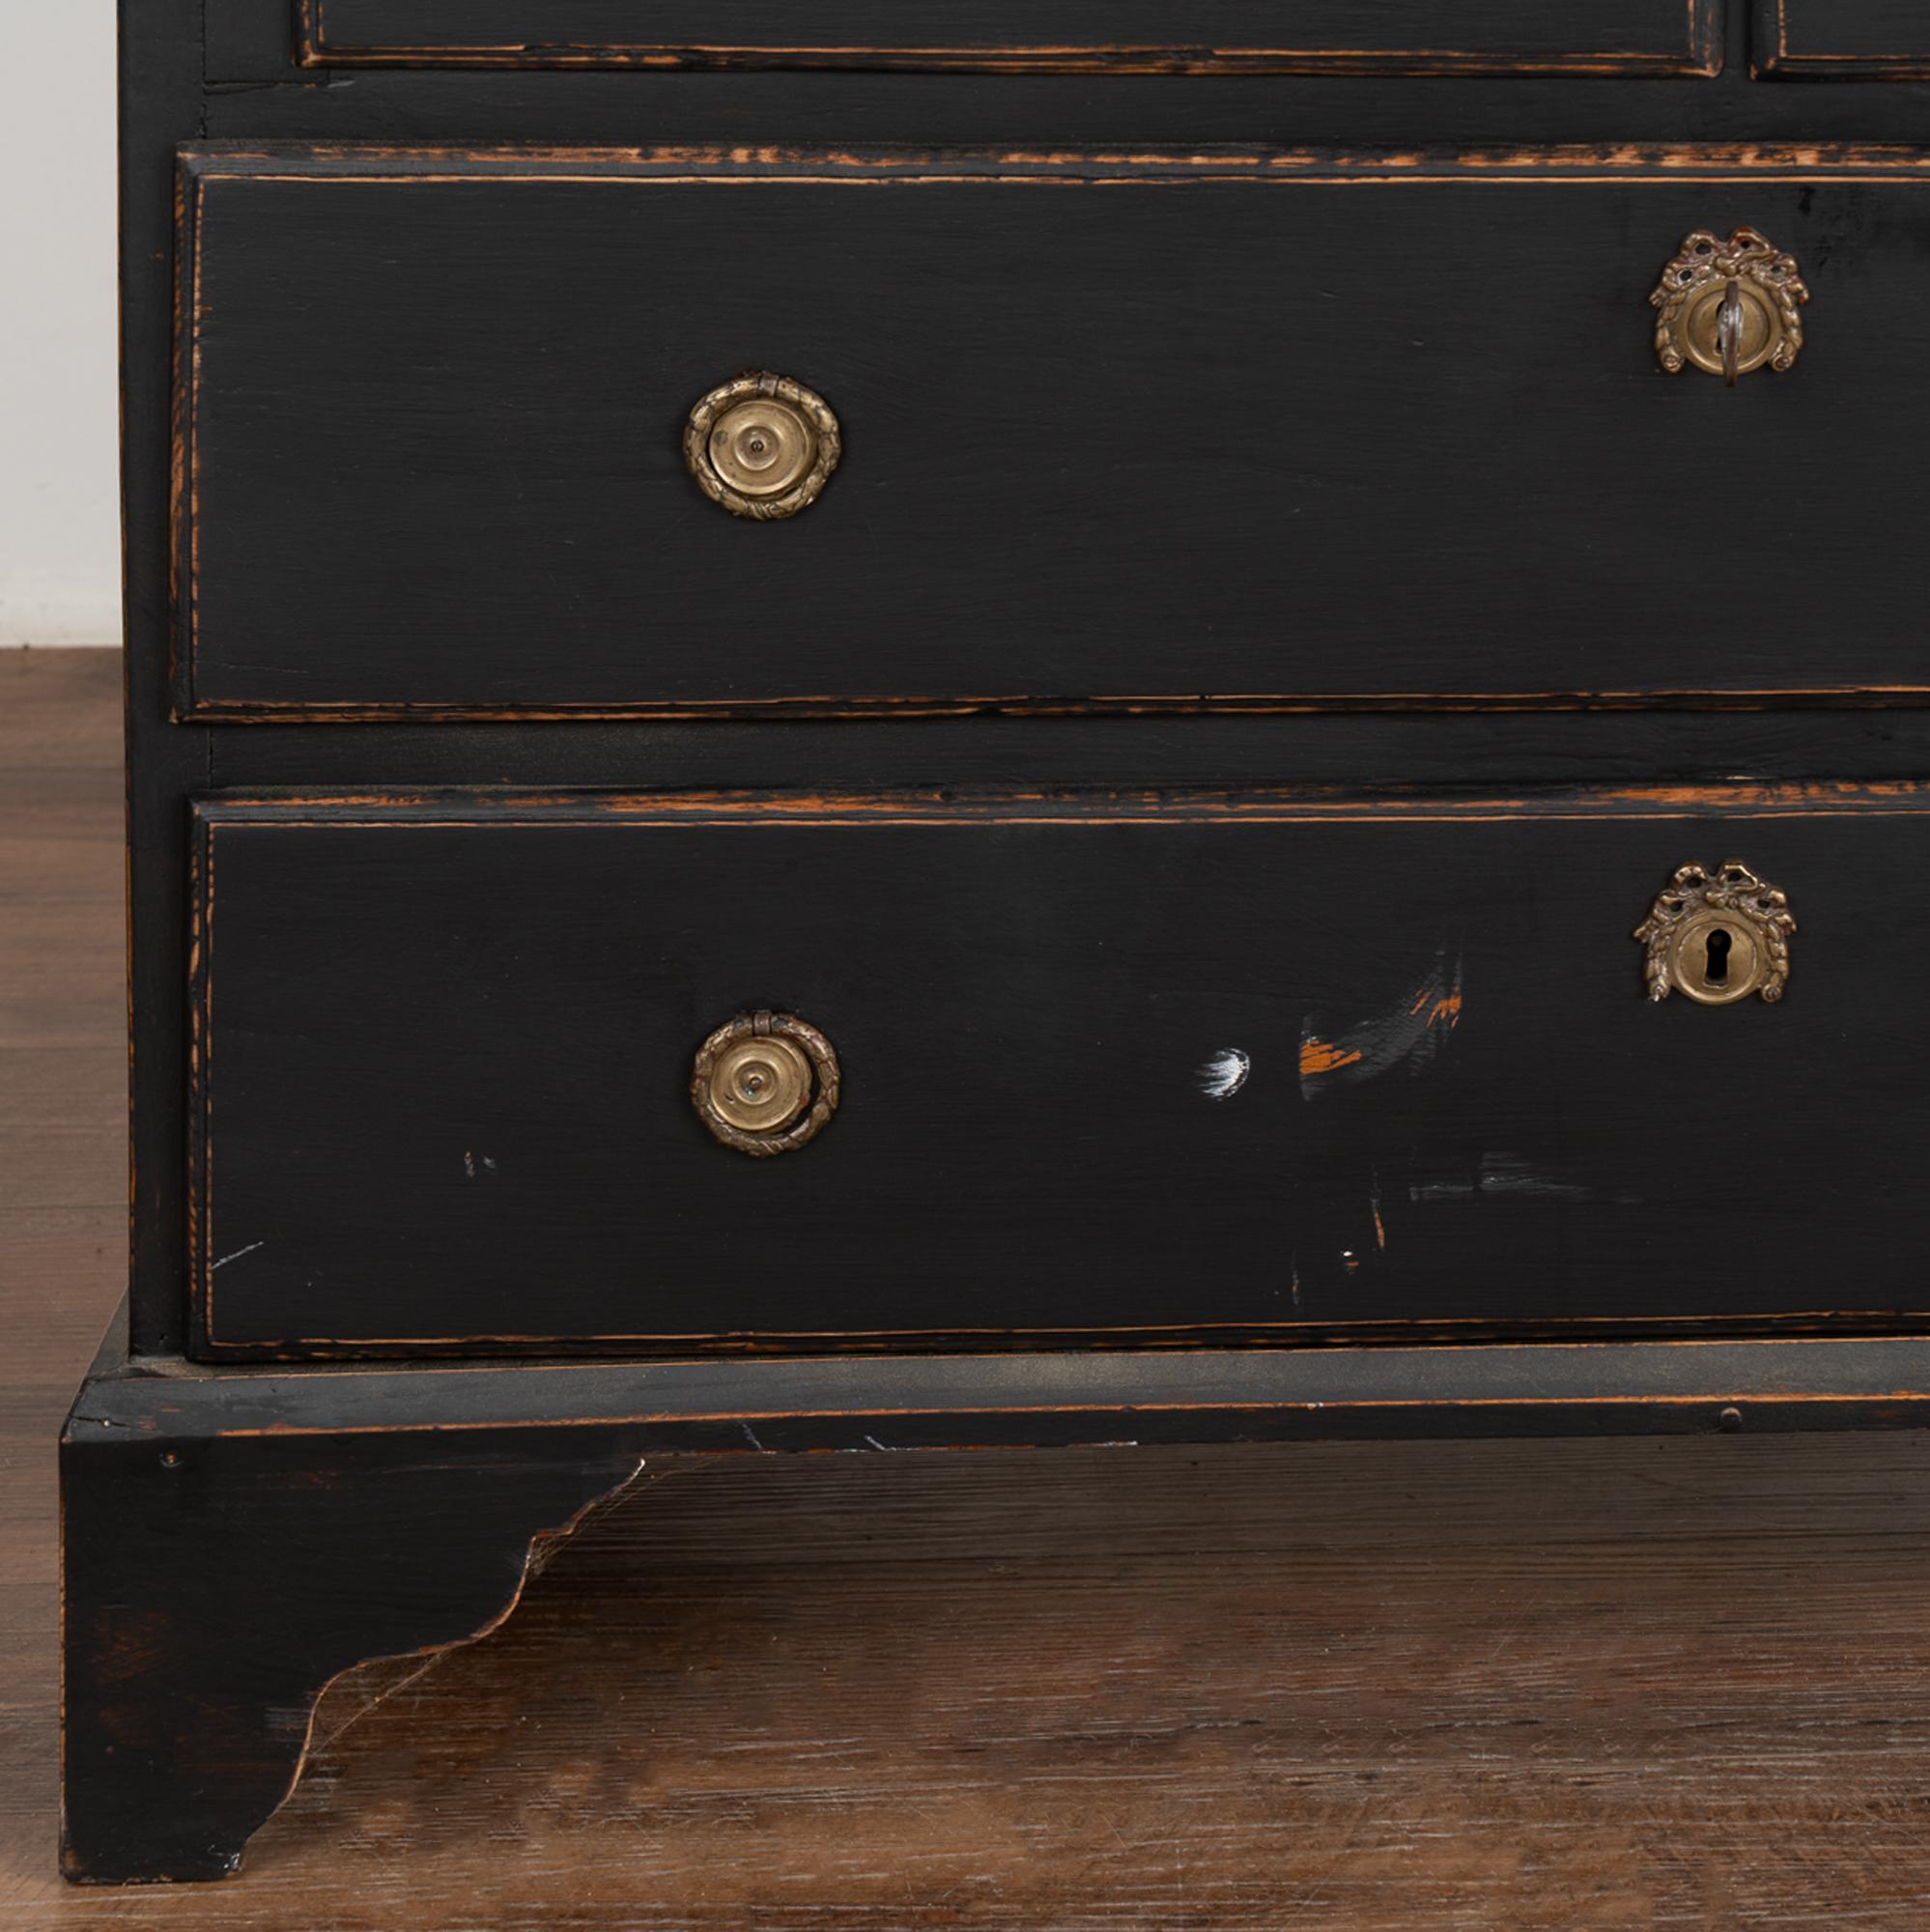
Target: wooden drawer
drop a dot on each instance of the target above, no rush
(1841, 40)
(1243, 431)
(1130, 1069)
(1639, 36)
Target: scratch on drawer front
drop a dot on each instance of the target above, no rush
(236, 1256)
(1508, 1173)
(1505, 1174)
(1409, 1034)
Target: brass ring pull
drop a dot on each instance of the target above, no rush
(1729, 307)
(765, 1083)
(762, 446)
(1718, 937)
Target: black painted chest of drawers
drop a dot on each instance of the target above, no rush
(860, 726)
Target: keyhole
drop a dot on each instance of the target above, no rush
(1716, 968)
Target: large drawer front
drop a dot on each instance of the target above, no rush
(1139, 1069)
(1244, 431)
(1642, 36)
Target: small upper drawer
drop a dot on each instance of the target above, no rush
(1841, 40)
(1247, 430)
(1634, 36)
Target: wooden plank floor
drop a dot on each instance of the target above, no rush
(1337, 1689)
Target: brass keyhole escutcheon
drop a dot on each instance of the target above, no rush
(1718, 938)
(765, 1083)
(1717, 960)
(1752, 340)
(762, 446)
(1729, 307)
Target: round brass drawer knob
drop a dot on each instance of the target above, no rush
(763, 446)
(765, 1083)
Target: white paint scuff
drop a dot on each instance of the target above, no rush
(1223, 1076)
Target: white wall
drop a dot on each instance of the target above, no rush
(60, 545)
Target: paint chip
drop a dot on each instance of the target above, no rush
(1223, 1076)
(1407, 1035)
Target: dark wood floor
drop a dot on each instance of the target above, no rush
(1399, 1688)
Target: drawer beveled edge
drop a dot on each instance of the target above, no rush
(1698, 54)
(1771, 58)
(496, 808)
(200, 166)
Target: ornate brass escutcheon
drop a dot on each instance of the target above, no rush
(762, 446)
(1729, 307)
(1718, 939)
(765, 1083)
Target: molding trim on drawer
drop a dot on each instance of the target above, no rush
(385, 944)
(1841, 40)
(247, 681)
(1664, 36)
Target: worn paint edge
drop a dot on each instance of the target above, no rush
(1772, 59)
(767, 811)
(543, 1544)
(1699, 56)
(316, 164)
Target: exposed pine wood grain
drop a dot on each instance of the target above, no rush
(1458, 1688)
(61, 1164)
(54, 706)
(63, 1190)
(61, 1086)
(63, 1023)
(1343, 1688)
(57, 848)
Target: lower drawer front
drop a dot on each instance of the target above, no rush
(1144, 1070)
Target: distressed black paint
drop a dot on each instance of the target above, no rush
(1636, 37)
(436, 409)
(1841, 40)
(445, 1047)
(215, 1582)
(234, 1534)
(233, 1542)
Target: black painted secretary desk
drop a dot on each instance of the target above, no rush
(860, 726)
